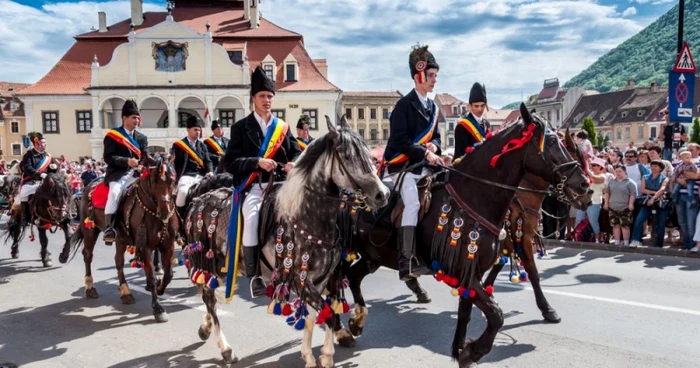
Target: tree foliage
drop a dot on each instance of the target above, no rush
(589, 127)
(602, 143)
(646, 57)
(511, 106)
(695, 133)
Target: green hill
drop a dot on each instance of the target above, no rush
(511, 106)
(647, 56)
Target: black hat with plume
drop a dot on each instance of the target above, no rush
(260, 82)
(421, 60)
(304, 119)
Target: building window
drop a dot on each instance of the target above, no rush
(640, 113)
(549, 116)
(385, 113)
(385, 134)
(236, 56)
(373, 114)
(451, 142)
(313, 118)
(464, 110)
(451, 126)
(362, 133)
(268, 69)
(558, 116)
(291, 73)
(16, 149)
(373, 134)
(227, 117)
(627, 132)
(640, 131)
(280, 114)
(14, 106)
(348, 113)
(83, 119)
(619, 133)
(624, 114)
(455, 110)
(653, 132)
(14, 127)
(361, 113)
(50, 121)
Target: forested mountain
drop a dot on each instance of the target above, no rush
(647, 56)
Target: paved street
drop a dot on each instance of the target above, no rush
(618, 311)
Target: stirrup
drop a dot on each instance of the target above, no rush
(250, 284)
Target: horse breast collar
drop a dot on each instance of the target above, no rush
(471, 212)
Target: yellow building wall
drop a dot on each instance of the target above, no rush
(293, 110)
(8, 138)
(68, 142)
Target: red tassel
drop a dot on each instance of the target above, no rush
(270, 291)
(187, 263)
(134, 264)
(489, 290)
(287, 310)
(469, 150)
(488, 134)
(346, 307)
(472, 293)
(454, 282)
(461, 290)
(514, 144)
(439, 276)
(324, 315)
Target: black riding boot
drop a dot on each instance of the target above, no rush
(110, 234)
(182, 212)
(409, 267)
(26, 214)
(252, 268)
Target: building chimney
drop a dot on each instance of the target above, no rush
(137, 12)
(322, 66)
(254, 14)
(246, 9)
(103, 21)
(630, 84)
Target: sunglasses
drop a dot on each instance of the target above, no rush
(630, 156)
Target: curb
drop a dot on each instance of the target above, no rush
(670, 252)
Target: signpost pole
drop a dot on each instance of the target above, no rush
(681, 11)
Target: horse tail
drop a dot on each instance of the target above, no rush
(76, 241)
(15, 231)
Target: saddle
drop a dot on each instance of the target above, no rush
(98, 195)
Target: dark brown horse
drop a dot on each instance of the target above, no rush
(49, 208)
(459, 234)
(305, 207)
(145, 220)
(523, 237)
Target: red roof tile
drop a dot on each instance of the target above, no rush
(548, 92)
(9, 88)
(395, 94)
(513, 116)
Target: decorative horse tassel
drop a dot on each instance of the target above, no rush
(325, 314)
(271, 307)
(89, 224)
(514, 144)
(287, 310)
(277, 309)
(301, 323)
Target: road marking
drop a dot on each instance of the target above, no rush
(603, 299)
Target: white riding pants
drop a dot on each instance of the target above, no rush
(116, 189)
(2, 180)
(251, 215)
(183, 187)
(28, 188)
(409, 195)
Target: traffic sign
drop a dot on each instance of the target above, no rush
(25, 142)
(685, 62)
(681, 88)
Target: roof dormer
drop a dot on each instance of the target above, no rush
(291, 69)
(269, 66)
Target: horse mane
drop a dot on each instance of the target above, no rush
(224, 180)
(59, 189)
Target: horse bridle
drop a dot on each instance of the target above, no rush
(155, 203)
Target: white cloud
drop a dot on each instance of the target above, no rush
(510, 45)
(629, 11)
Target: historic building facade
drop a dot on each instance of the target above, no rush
(194, 59)
(12, 121)
(368, 113)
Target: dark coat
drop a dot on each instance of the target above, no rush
(464, 139)
(241, 158)
(407, 121)
(116, 156)
(187, 166)
(215, 158)
(29, 162)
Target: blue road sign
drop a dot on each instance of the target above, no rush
(681, 88)
(25, 142)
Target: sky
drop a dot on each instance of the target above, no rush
(511, 46)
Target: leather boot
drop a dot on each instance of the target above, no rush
(26, 214)
(110, 234)
(252, 268)
(409, 267)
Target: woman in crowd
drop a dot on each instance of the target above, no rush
(619, 200)
(653, 189)
(644, 158)
(600, 179)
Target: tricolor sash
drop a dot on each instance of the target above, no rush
(122, 137)
(213, 143)
(474, 128)
(302, 144)
(43, 164)
(274, 137)
(185, 146)
(422, 139)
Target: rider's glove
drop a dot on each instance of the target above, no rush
(43, 175)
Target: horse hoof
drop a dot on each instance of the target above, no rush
(423, 298)
(203, 334)
(91, 293)
(161, 317)
(465, 358)
(551, 316)
(63, 258)
(128, 299)
(14, 253)
(355, 330)
(347, 342)
(228, 356)
(47, 263)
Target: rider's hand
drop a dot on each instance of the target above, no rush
(431, 147)
(43, 175)
(267, 164)
(209, 174)
(133, 162)
(433, 159)
(288, 166)
(53, 167)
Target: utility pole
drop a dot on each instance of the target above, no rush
(681, 11)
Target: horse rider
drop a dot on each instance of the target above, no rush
(216, 145)
(3, 169)
(414, 137)
(35, 163)
(473, 128)
(192, 163)
(244, 157)
(303, 137)
(124, 152)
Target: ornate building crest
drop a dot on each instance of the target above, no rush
(170, 56)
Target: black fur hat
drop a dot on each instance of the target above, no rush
(421, 59)
(260, 82)
(130, 108)
(304, 119)
(477, 94)
(193, 122)
(215, 124)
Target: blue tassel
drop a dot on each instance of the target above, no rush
(180, 261)
(291, 320)
(523, 275)
(436, 266)
(503, 260)
(278, 309)
(301, 323)
(213, 283)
